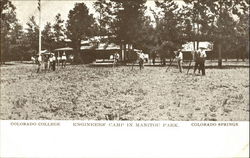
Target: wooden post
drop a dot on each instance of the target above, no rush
(40, 23)
(219, 55)
(57, 58)
(220, 38)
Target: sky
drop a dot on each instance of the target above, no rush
(50, 8)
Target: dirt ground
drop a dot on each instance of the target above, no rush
(120, 93)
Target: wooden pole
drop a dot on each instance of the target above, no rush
(40, 23)
(220, 37)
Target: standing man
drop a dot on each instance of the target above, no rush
(141, 60)
(50, 61)
(46, 62)
(203, 56)
(58, 60)
(39, 62)
(197, 60)
(53, 62)
(117, 57)
(153, 57)
(179, 58)
(71, 58)
(64, 58)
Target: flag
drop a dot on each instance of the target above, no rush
(39, 5)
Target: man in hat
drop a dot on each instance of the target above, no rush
(141, 60)
(46, 61)
(203, 56)
(50, 61)
(64, 58)
(53, 62)
(179, 58)
(117, 57)
(39, 62)
(197, 60)
(153, 57)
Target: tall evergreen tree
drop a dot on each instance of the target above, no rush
(225, 13)
(129, 19)
(8, 24)
(79, 27)
(48, 41)
(59, 31)
(104, 18)
(32, 34)
(169, 28)
(127, 23)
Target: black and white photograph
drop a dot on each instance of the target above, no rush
(145, 78)
(125, 60)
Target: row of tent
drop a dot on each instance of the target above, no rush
(111, 48)
(102, 46)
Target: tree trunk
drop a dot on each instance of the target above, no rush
(77, 51)
(236, 56)
(128, 53)
(122, 46)
(126, 49)
(219, 56)
(198, 33)
(247, 49)
(121, 51)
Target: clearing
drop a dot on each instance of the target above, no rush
(79, 92)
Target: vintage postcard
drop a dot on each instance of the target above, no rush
(124, 78)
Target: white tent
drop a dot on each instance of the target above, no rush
(64, 49)
(111, 46)
(190, 46)
(45, 52)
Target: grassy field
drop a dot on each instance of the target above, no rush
(88, 93)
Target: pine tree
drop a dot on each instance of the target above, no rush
(104, 19)
(79, 26)
(32, 35)
(59, 32)
(169, 28)
(225, 13)
(48, 38)
(8, 24)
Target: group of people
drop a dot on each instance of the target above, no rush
(115, 57)
(48, 61)
(199, 57)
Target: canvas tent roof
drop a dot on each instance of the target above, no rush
(86, 47)
(89, 40)
(45, 52)
(104, 46)
(190, 47)
(64, 49)
(101, 46)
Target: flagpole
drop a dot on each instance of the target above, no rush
(40, 23)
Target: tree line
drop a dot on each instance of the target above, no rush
(127, 22)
